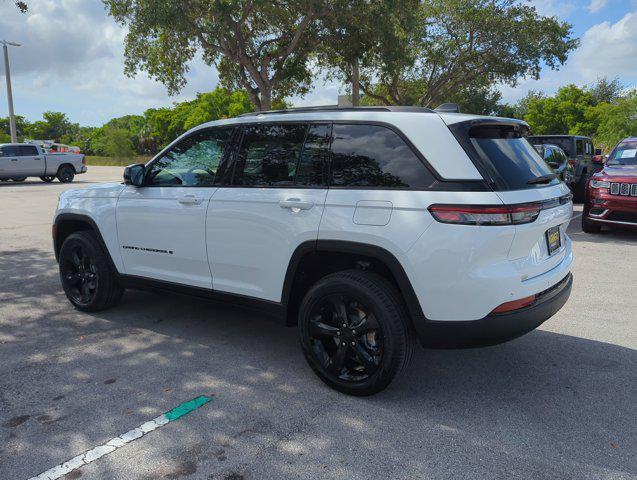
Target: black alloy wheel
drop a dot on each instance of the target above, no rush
(89, 281)
(66, 174)
(354, 331)
(79, 275)
(345, 337)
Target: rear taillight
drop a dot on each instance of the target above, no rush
(83, 159)
(572, 162)
(487, 214)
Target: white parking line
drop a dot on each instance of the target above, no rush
(575, 216)
(118, 442)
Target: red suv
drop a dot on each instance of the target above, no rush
(611, 194)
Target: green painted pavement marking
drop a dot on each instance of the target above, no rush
(187, 407)
(118, 442)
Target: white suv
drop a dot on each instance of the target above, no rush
(368, 227)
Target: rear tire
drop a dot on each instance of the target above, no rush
(87, 278)
(589, 227)
(66, 174)
(47, 178)
(19, 179)
(354, 332)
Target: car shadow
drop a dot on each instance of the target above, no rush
(560, 403)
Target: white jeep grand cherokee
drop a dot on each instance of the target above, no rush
(368, 227)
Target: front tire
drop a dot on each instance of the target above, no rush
(87, 278)
(19, 179)
(47, 178)
(354, 332)
(66, 174)
(579, 189)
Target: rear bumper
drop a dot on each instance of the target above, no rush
(495, 328)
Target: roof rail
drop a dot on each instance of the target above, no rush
(336, 108)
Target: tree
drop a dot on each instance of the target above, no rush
(260, 46)
(360, 35)
(53, 127)
(464, 44)
(21, 126)
(117, 143)
(605, 90)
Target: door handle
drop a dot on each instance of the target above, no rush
(190, 200)
(37, 158)
(295, 204)
(14, 159)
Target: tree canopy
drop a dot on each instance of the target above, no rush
(259, 46)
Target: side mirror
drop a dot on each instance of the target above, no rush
(598, 159)
(598, 151)
(134, 174)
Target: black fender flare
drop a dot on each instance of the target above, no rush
(77, 217)
(373, 251)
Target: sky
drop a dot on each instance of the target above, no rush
(72, 60)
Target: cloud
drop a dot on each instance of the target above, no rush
(606, 50)
(596, 5)
(72, 60)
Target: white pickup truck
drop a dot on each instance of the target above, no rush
(21, 160)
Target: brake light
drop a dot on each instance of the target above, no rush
(572, 162)
(53, 231)
(83, 159)
(514, 305)
(488, 215)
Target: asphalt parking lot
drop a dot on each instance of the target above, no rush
(558, 403)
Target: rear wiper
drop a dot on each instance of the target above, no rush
(542, 179)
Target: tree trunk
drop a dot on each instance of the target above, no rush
(266, 99)
(356, 86)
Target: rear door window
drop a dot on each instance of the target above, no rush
(508, 157)
(27, 151)
(375, 156)
(269, 155)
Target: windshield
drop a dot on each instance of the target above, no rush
(624, 154)
(510, 157)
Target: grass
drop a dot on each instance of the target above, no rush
(114, 161)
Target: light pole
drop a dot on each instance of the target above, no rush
(7, 72)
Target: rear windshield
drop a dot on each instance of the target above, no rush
(509, 157)
(624, 154)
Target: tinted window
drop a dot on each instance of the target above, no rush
(375, 156)
(10, 151)
(509, 156)
(579, 147)
(193, 162)
(269, 155)
(28, 150)
(314, 158)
